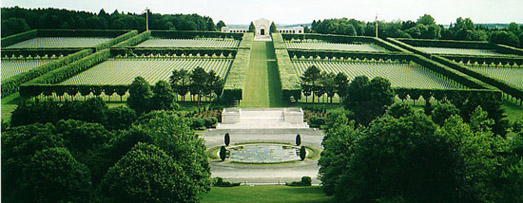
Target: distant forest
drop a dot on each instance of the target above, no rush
(424, 28)
(16, 20)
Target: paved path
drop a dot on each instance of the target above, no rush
(264, 174)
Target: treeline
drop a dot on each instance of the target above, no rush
(424, 28)
(16, 20)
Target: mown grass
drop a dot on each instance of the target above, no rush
(266, 193)
(263, 87)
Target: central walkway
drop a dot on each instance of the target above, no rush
(263, 87)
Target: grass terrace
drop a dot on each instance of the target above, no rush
(61, 42)
(123, 71)
(207, 42)
(14, 67)
(463, 51)
(409, 75)
(511, 75)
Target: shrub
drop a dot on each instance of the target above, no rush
(303, 153)
(223, 153)
(218, 182)
(198, 124)
(298, 140)
(210, 122)
(305, 181)
(227, 139)
(317, 122)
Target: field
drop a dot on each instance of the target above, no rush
(266, 193)
(11, 68)
(440, 50)
(512, 76)
(333, 46)
(123, 71)
(209, 42)
(60, 42)
(400, 75)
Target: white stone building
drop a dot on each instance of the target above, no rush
(262, 31)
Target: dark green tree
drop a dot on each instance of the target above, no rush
(303, 153)
(219, 25)
(13, 25)
(402, 158)
(223, 153)
(227, 139)
(273, 28)
(163, 97)
(139, 95)
(199, 83)
(19, 144)
(252, 28)
(53, 175)
(147, 174)
(119, 118)
(443, 111)
(368, 99)
(398, 110)
(298, 140)
(310, 78)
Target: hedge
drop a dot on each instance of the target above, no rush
(38, 52)
(345, 39)
(237, 75)
(289, 79)
(11, 85)
(168, 34)
(20, 37)
(80, 33)
(409, 47)
(133, 41)
(504, 49)
(116, 40)
(65, 72)
(488, 60)
(177, 51)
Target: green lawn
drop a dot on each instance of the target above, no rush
(266, 193)
(9, 104)
(263, 88)
(512, 110)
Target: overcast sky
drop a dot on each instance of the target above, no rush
(303, 11)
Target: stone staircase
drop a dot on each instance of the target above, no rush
(269, 118)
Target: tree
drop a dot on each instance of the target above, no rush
(13, 26)
(342, 83)
(163, 97)
(504, 37)
(401, 158)
(398, 110)
(252, 28)
(147, 174)
(368, 99)
(227, 139)
(19, 144)
(426, 19)
(223, 153)
(309, 79)
(139, 95)
(119, 118)
(53, 175)
(328, 82)
(338, 144)
(173, 135)
(220, 24)
(298, 140)
(199, 80)
(303, 153)
(273, 28)
(444, 111)
(180, 81)
(85, 142)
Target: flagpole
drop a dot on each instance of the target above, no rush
(146, 18)
(376, 22)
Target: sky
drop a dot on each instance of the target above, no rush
(303, 11)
